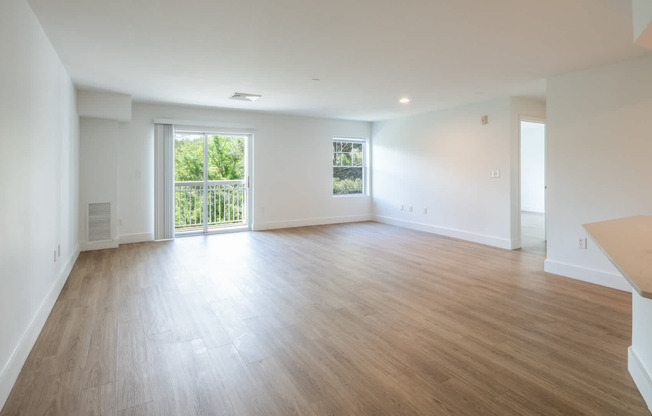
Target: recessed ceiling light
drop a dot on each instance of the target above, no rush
(243, 96)
(404, 100)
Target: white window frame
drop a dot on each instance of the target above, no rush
(365, 170)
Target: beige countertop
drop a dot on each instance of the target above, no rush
(628, 244)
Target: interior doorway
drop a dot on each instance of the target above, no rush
(532, 198)
(211, 182)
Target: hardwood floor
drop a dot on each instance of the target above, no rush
(533, 232)
(357, 319)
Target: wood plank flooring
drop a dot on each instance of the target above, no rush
(533, 232)
(356, 319)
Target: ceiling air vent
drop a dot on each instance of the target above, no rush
(99, 222)
(243, 96)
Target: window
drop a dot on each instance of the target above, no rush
(349, 160)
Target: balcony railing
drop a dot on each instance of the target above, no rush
(225, 204)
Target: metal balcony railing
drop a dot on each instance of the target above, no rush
(225, 204)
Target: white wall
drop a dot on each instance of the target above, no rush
(598, 161)
(639, 361)
(442, 161)
(102, 104)
(292, 170)
(98, 182)
(39, 171)
(532, 166)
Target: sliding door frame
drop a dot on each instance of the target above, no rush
(248, 203)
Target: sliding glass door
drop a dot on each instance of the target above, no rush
(211, 182)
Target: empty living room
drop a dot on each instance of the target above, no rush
(326, 208)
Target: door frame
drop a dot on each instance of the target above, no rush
(248, 173)
(541, 120)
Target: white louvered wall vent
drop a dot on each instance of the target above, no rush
(99, 221)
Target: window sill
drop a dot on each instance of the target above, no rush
(351, 196)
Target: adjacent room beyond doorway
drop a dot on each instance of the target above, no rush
(533, 222)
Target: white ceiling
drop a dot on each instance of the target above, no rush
(366, 53)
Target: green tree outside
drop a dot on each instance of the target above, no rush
(348, 162)
(225, 158)
(226, 161)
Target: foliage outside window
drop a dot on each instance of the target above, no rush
(224, 161)
(225, 157)
(348, 166)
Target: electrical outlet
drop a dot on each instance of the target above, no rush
(425, 210)
(411, 208)
(581, 243)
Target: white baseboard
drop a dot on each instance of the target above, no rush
(10, 372)
(612, 280)
(532, 209)
(310, 221)
(123, 239)
(135, 238)
(65, 271)
(641, 376)
(450, 232)
(99, 245)
(515, 244)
